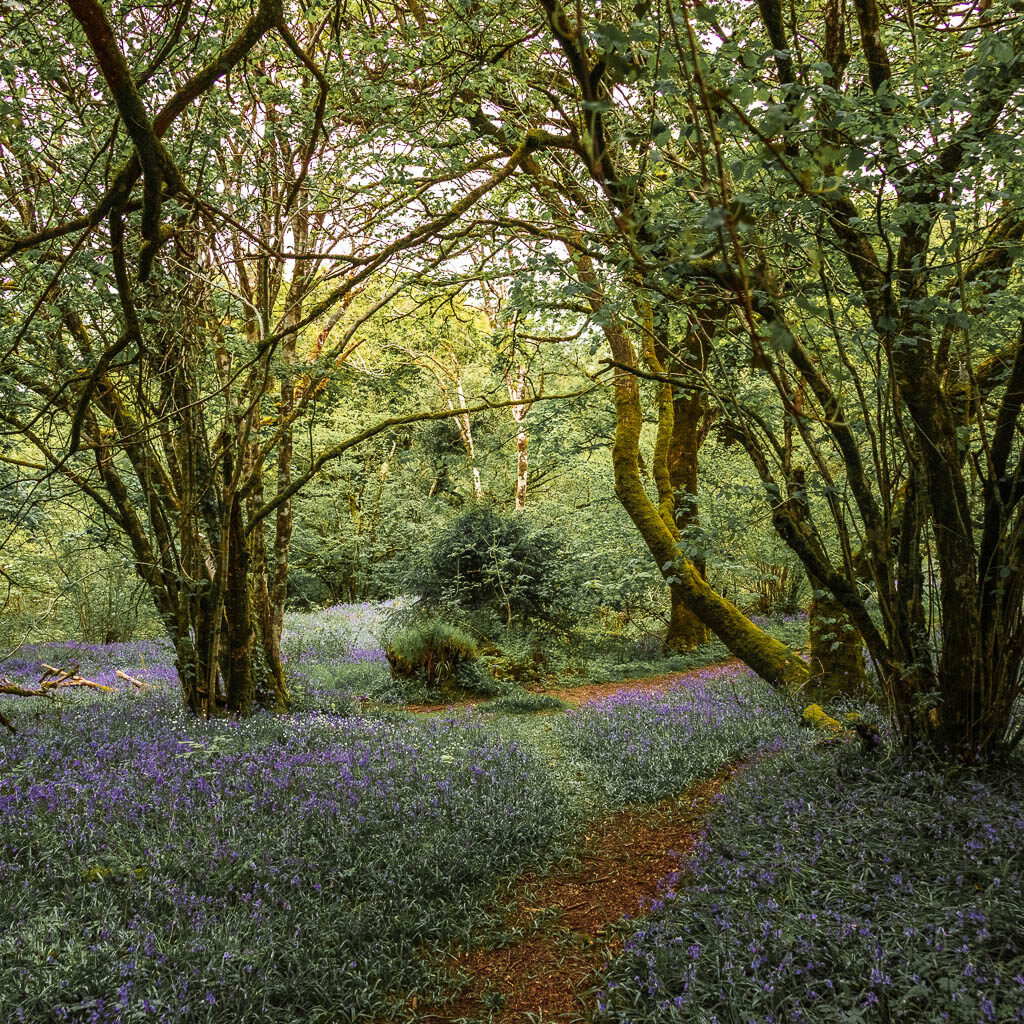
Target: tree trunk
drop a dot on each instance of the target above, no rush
(466, 433)
(769, 658)
(685, 630)
(837, 653)
(691, 420)
(237, 664)
(517, 393)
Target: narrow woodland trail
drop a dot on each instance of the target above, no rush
(579, 695)
(562, 926)
(564, 922)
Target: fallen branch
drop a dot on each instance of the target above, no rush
(52, 679)
(6, 686)
(138, 683)
(61, 678)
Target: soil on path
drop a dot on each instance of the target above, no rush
(562, 926)
(576, 696)
(565, 923)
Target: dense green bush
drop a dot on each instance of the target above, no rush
(536, 655)
(505, 565)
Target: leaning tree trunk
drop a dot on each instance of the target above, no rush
(769, 658)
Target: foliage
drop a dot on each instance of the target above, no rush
(365, 844)
(523, 702)
(537, 654)
(831, 887)
(643, 746)
(437, 656)
(489, 561)
(68, 575)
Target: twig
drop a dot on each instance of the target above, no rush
(576, 906)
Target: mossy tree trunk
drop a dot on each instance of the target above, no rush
(692, 417)
(836, 649)
(656, 524)
(768, 657)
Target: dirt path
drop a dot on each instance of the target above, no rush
(565, 921)
(576, 696)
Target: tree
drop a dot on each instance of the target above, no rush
(592, 206)
(859, 217)
(143, 369)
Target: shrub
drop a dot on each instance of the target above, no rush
(436, 655)
(531, 656)
(502, 564)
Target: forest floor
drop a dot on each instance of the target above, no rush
(500, 865)
(576, 696)
(562, 926)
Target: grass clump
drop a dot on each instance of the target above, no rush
(834, 887)
(643, 746)
(438, 657)
(522, 702)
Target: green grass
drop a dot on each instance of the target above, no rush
(522, 702)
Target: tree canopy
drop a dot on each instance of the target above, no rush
(270, 267)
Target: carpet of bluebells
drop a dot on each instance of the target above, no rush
(299, 868)
(639, 747)
(834, 887)
(314, 867)
(335, 653)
